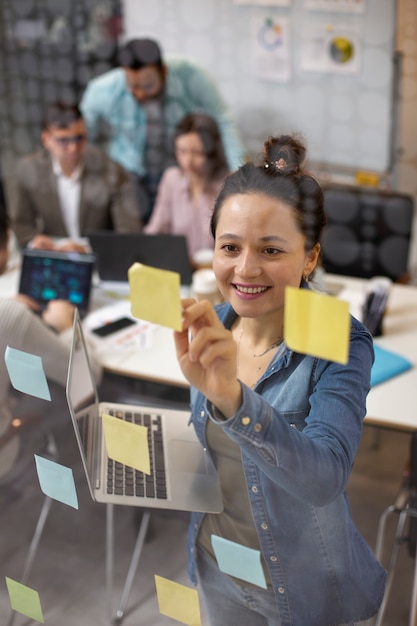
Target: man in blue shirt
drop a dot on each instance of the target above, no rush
(138, 105)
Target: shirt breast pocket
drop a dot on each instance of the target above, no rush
(296, 419)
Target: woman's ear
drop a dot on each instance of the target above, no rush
(312, 258)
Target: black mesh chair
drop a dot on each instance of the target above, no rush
(368, 233)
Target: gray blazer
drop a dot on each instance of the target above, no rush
(108, 197)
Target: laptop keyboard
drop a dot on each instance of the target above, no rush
(124, 480)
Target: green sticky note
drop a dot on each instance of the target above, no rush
(24, 600)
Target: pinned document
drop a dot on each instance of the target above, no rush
(155, 295)
(178, 601)
(127, 443)
(56, 481)
(317, 324)
(26, 373)
(24, 600)
(239, 561)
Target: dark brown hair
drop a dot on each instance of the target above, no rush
(61, 114)
(206, 128)
(139, 53)
(279, 174)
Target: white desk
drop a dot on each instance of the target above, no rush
(392, 404)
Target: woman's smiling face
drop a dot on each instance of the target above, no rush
(259, 250)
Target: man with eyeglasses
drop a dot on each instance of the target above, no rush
(70, 188)
(136, 108)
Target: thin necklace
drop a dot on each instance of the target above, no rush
(273, 345)
(269, 348)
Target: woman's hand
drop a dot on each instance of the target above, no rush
(208, 357)
(59, 314)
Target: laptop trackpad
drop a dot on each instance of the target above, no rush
(189, 457)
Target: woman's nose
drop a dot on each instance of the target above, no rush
(248, 264)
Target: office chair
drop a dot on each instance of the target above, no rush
(405, 506)
(368, 233)
(18, 428)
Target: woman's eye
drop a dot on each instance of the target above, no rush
(272, 251)
(228, 247)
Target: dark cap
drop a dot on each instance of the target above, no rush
(138, 53)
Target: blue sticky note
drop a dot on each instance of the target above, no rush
(239, 561)
(26, 373)
(56, 481)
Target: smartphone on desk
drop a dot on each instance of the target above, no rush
(112, 327)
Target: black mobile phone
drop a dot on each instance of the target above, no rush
(112, 327)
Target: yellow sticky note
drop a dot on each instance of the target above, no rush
(127, 443)
(317, 324)
(178, 601)
(24, 600)
(155, 295)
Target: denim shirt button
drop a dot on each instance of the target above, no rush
(258, 428)
(273, 558)
(255, 489)
(202, 413)
(281, 590)
(246, 421)
(264, 526)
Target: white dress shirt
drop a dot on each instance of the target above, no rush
(69, 193)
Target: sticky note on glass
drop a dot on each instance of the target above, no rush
(56, 481)
(24, 600)
(155, 295)
(26, 373)
(127, 443)
(178, 601)
(317, 324)
(239, 561)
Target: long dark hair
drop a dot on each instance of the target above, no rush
(206, 128)
(280, 175)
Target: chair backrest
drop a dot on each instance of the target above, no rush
(368, 233)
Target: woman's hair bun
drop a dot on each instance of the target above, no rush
(284, 154)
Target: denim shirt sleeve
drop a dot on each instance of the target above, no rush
(303, 433)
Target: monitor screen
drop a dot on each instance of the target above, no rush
(47, 275)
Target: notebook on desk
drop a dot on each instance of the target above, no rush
(387, 364)
(47, 275)
(183, 477)
(116, 252)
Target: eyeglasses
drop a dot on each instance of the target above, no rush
(65, 142)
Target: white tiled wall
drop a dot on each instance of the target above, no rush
(207, 29)
(407, 158)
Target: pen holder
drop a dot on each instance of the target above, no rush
(376, 298)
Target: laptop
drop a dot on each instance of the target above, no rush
(183, 477)
(47, 275)
(116, 252)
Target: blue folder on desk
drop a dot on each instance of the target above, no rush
(387, 364)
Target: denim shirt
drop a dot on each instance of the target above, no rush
(188, 89)
(298, 431)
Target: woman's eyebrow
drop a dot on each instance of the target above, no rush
(265, 239)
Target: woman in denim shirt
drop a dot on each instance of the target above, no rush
(282, 427)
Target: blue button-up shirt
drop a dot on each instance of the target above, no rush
(298, 432)
(107, 103)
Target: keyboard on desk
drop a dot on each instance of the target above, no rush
(125, 480)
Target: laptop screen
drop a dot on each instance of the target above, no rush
(82, 399)
(116, 252)
(48, 275)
